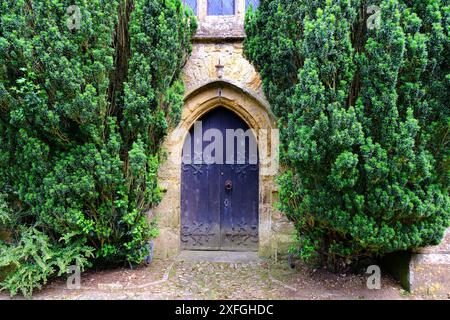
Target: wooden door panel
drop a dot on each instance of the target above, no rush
(200, 217)
(212, 216)
(239, 219)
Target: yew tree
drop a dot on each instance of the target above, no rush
(361, 91)
(87, 94)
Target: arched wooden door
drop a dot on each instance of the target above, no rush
(219, 199)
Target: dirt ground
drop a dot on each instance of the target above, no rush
(190, 280)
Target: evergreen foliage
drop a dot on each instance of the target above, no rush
(363, 108)
(83, 114)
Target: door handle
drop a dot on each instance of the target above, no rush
(228, 185)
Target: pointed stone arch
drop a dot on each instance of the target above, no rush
(256, 113)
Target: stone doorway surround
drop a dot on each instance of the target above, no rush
(275, 232)
(218, 74)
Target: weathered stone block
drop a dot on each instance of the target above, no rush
(429, 273)
(284, 227)
(218, 45)
(424, 271)
(265, 250)
(167, 245)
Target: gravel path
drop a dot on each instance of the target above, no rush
(170, 279)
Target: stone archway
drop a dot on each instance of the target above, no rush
(220, 185)
(256, 113)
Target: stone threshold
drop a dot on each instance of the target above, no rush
(219, 256)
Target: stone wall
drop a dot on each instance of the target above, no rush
(429, 268)
(424, 271)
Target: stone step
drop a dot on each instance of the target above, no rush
(423, 271)
(219, 256)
